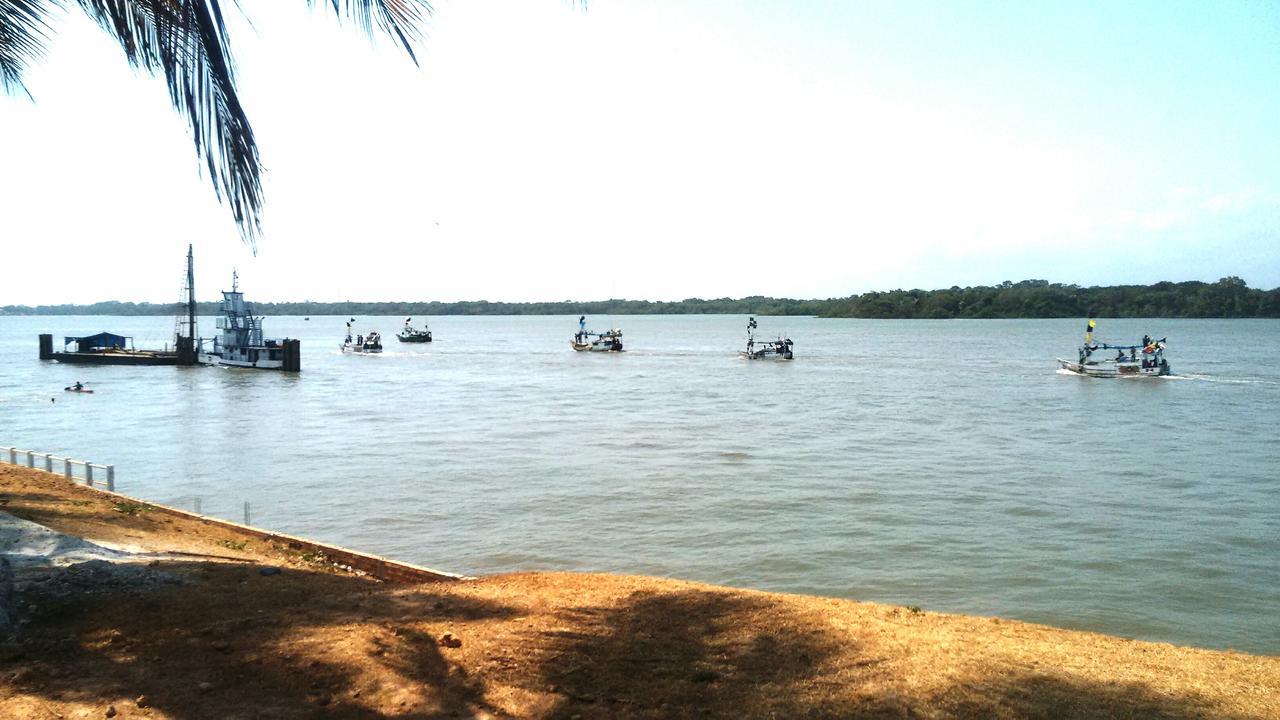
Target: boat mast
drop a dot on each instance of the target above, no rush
(191, 295)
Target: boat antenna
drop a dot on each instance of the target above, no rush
(235, 280)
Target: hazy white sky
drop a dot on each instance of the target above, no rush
(659, 149)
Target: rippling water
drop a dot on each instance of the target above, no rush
(943, 464)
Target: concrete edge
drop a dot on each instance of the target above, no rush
(375, 566)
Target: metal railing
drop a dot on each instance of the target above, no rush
(48, 461)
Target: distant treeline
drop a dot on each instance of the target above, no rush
(693, 306)
(1228, 298)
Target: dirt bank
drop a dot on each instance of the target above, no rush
(221, 638)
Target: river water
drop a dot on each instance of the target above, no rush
(945, 464)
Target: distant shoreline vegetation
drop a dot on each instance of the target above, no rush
(1228, 298)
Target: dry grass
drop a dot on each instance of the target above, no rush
(307, 642)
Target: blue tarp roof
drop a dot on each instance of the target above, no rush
(102, 339)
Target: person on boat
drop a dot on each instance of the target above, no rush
(1119, 355)
(78, 386)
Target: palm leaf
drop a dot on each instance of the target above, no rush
(186, 42)
(24, 31)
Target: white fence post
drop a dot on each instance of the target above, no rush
(111, 478)
(66, 469)
(48, 462)
(13, 456)
(31, 459)
(88, 474)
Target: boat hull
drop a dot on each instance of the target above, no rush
(762, 355)
(415, 338)
(1113, 369)
(590, 347)
(137, 357)
(220, 361)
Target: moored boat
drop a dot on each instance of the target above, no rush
(410, 334)
(241, 342)
(1145, 359)
(779, 349)
(106, 348)
(587, 341)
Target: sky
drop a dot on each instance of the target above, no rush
(664, 149)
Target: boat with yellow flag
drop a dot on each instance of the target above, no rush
(1145, 359)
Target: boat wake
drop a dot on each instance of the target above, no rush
(1226, 380)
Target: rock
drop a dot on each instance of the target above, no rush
(448, 640)
(269, 571)
(142, 701)
(111, 711)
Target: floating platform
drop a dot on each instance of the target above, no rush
(108, 349)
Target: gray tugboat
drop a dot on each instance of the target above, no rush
(240, 342)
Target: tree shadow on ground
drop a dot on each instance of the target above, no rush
(693, 653)
(1057, 697)
(231, 642)
(702, 654)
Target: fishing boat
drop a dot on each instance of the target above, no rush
(779, 349)
(361, 344)
(240, 342)
(410, 334)
(1145, 359)
(586, 341)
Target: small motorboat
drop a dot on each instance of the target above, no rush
(779, 349)
(410, 334)
(1146, 359)
(586, 341)
(363, 344)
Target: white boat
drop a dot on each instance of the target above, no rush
(779, 349)
(363, 344)
(1146, 359)
(240, 342)
(586, 341)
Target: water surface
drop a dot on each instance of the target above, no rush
(944, 464)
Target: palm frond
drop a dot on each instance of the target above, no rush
(401, 19)
(24, 31)
(186, 41)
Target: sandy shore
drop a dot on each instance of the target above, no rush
(211, 629)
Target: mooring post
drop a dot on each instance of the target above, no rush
(88, 474)
(111, 478)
